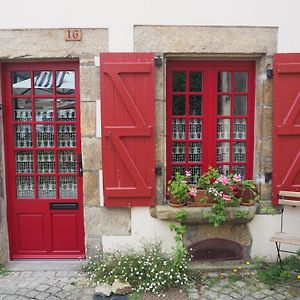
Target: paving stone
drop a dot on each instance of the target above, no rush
(42, 296)
(32, 294)
(53, 290)
(42, 287)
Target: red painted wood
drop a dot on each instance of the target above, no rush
(209, 118)
(32, 231)
(286, 121)
(128, 137)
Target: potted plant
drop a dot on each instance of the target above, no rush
(247, 192)
(179, 189)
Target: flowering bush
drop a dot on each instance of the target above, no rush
(179, 187)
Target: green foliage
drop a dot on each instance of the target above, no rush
(268, 211)
(205, 180)
(179, 187)
(3, 270)
(241, 214)
(248, 184)
(216, 215)
(147, 271)
(272, 274)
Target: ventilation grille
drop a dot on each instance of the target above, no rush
(215, 249)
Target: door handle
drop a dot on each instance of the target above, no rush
(80, 168)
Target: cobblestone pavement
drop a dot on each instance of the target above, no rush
(72, 284)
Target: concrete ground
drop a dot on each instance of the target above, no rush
(64, 280)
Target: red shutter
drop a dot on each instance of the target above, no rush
(128, 137)
(286, 141)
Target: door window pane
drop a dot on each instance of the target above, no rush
(67, 187)
(179, 82)
(224, 81)
(65, 82)
(21, 83)
(195, 105)
(178, 105)
(66, 110)
(223, 152)
(25, 187)
(223, 129)
(22, 108)
(44, 136)
(66, 135)
(239, 169)
(23, 136)
(224, 169)
(196, 172)
(43, 83)
(195, 152)
(44, 110)
(195, 81)
(45, 162)
(195, 129)
(178, 169)
(67, 161)
(178, 129)
(239, 152)
(46, 187)
(240, 105)
(224, 105)
(240, 129)
(178, 152)
(240, 81)
(24, 162)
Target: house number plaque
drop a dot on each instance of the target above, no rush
(73, 34)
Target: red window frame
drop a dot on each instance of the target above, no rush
(209, 115)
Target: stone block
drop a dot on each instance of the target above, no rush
(205, 39)
(93, 246)
(50, 43)
(91, 154)
(107, 221)
(264, 122)
(160, 118)
(91, 189)
(89, 83)
(88, 119)
(266, 149)
(160, 82)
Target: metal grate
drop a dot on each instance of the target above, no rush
(215, 249)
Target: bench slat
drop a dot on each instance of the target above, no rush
(289, 202)
(289, 194)
(286, 238)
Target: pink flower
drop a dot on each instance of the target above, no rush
(223, 179)
(193, 191)
(237, 177)
(226, 197)
(188, 173)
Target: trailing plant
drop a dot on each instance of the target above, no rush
(268, 210)
(241, 214)
(216, 215)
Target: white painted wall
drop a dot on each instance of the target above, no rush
(120, 16)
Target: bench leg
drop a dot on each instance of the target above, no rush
(278, 254)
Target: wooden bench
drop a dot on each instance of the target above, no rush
(287, 198)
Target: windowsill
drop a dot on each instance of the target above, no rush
(195, 216)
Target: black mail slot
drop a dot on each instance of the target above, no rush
(66, 205)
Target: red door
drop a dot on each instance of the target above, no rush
(128, 143)
(286, 141)
(43, 156)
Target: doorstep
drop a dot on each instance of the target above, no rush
(195, 214)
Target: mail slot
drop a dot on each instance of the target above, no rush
(68, 205)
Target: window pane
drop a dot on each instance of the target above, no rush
(43, 83)
(240, 81)
(66, 136)
(23, 136)
(66, 109)
(196, 171)
(195, 105)
(46, 187)
(67, 161)
(224, 169)
(22, 109)
(239, 152)
(195, 152)
(223, 152)
(65, 82)
(25, 187)
(178, 128)
(178, 152)
(239, 169)
(224, 81)
(240, 105)
(67, 187)
(179, 169)
(179, 82)
(195, 129)
(240, 129)
(21, 83)
(195, 81)
(45, 162)
(44, 110)
(223, 129)
(24, 161)
(178, 105)
(224, 105)
(44, 136)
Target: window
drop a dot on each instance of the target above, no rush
(210, 112)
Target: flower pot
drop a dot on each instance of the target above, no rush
(174, 202)
(246, 194)
(201, 194)
(199, 204)
(247, 203)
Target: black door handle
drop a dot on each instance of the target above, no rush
(80, 168)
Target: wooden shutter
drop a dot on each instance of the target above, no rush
(127, 119)
(286, 118)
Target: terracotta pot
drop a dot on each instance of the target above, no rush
(246, 194)
(174, 202)
(199, 204)
(201, 194)
(247, 203)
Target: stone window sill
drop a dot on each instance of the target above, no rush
(195, 214)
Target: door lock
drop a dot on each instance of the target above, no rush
(80, 168)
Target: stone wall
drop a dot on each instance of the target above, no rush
(214, 43)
